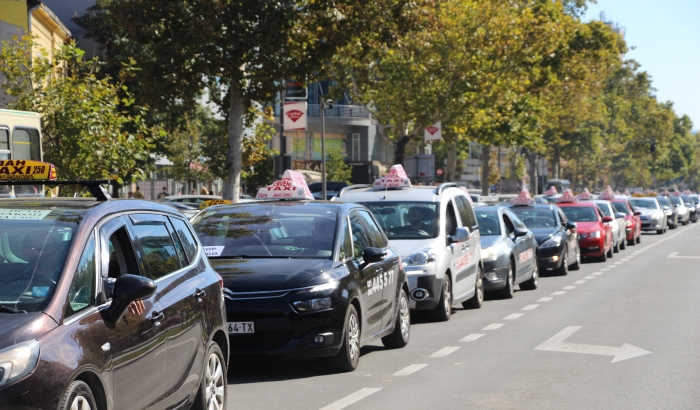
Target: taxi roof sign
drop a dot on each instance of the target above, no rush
(551, 191)
(665, 192)
(607, 194)
(523, 198)
(207, 204)
(627, 192)
(687, 192)
(26, 170)
(396, 178)
(585, 195)
(291, 186)
(567, 197)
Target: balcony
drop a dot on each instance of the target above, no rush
(344, 111)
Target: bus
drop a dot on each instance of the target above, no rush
(20, 139)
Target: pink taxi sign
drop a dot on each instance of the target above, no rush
(551, 191)
(687, 192)
(523, 198)
(396, 178)
(291, 186)
(627, 192)
(665, 192)
(585, 195)
(607, 194)
(567, 197)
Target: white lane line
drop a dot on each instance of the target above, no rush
(626, 259)
(493, 326)
(445, 351)
(557, 293)
(472, 337)
(597, 273)
(589, 277)
(530, 307)
(569, 287)
(353, 398)
(410, 369)
(675, 255)
(605, 269)
(547, 299)
(580, 282)
(513, 316)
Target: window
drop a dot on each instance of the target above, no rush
(356, 147)
(178, 245)
(25, 144)
(488, 223)
(564, 219)
(160, 258)
(516, 221)
(82, 291)
(509, 225)
(451, 222)
(346, 242)
(406, 220)
(359, 236)
(466, 212)
(185, 235)
(375, 234)
(4, 144)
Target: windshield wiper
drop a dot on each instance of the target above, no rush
(8, 309)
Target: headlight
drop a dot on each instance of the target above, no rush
(422, 257)
(630, 223)
(312, 305)
(552, 242)
(319, 288)
(489, 254)
(590, 235)
(17, 361)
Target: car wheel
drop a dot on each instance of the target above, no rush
(531, 284)
(564, 268)
(623, 244)
(212, 388)
(610, 252)
(348, 357)
(639, 238)
(443, 310)
(78, 396)
(616, 247)
(576, 265)
(478, 299)
(402, 328)
(509, 289)
(661, 231)
(603, 257)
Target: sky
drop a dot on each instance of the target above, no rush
(666, 34)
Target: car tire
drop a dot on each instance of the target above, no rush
(616, 247)
(660, 231)
(443, 311)
(623, 244)
(78, 395)
(509, 289)
(576, 265)
(603, 257)
(347, 359)
(564, 268)
(478, 299)
(212, 388)
(610, 253)
(531, 284)
(402, 328)
(639, 238)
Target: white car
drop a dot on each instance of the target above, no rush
(618, 224)
(435, 231)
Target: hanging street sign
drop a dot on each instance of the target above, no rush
(295, 116)
(434, 132)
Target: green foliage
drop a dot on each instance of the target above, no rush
(336, 168)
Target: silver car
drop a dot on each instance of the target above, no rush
(618, 224)
(654, 217)
(436, 233)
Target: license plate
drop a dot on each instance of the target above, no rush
(241, 327)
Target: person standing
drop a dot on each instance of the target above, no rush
(130, 195)
(204, 191)
(137, 194)
(163, 193)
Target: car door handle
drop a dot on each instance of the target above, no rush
(465, 246)
(157, 317)
(199, 293)
(379, 271)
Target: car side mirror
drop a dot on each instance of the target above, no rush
(520, 232)
(372, 255)
(462, 235)
(666, 207)
(619, 215)
(128, 288)
(637, 213)
(571, 225)
(607, 218)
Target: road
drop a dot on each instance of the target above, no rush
(617, 335)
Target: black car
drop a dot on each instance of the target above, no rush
(508, 251)
(555, 234)
(107, 304)
(306, 279)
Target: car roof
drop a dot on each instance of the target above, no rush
(89, 205)
(171, 197)
(578, 203)
(534, 206)
(413, 194)
(314, 203)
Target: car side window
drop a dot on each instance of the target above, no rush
(178, 245)
(186, 237)
(374, 232)
(345, 242)
(466, 212)
(562, 216)
(359, 236)
(81, 294)
(159, 258)
(516, 221)
(510, 228)
(451, 220)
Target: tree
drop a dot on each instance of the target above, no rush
(336, 168)
(86, 132)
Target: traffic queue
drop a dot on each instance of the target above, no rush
(95, 288)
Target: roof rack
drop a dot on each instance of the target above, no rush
(444, 185)
(351, 187)
(92, 185)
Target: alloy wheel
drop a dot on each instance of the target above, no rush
(215, 383)
(405, 315)
(80, 403)
(354, 337)
(480, 287)
(448, 295)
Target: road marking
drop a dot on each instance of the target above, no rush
(472, 337)
(353, 398)
(597, 273)
(605, 269)
(547, 299)
(626, 259)
(445, 351)
(557, 293)
(580, 282)
(410, 370)
(589, 277)
(675, 255)
(530, 307)
(513, 316)
(556, 344)
(493, 326)
(619, 263)
(569, 287)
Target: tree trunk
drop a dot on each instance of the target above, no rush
(485, 169)
(400, 149)
(532, 159)
(234, 154)
(450, 172)
(555, 163)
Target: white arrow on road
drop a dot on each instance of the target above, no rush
(675, 255)
(556, 344)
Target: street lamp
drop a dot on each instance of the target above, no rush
(324, 104)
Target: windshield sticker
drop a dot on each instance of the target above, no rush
(213, 250)
(40, 291)
(25, 214)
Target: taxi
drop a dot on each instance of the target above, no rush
(305, 278)
(594, 231)
(633, 223)
(108, 304)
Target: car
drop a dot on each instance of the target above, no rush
(436, 233)
(555, 234)
(595, 236)
(618, 224)
(107, 304)
(509, 251)
(690, 204)
(670, 210)
(186, 209)
(633, 223)
(332, 189)
(305, 278)
(696, 201)
(679, 206)
(653, 216)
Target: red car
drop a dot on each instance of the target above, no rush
(634, 223)
(594, 231)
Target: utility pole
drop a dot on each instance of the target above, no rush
(323, 145)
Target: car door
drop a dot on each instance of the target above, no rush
(371, 277)
(389, 268)
(520, 246)
(570, 235)
(180, 295)
(525, 248)
(468, 220)
(458, 252)
(137, 344)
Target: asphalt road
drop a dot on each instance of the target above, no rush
(618, 335)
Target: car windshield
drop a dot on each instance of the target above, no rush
(580, 213)
(695, 199)
(664, 201)
(535, 218)
(407, 220)
(488, 223)
(33, 247)
(621, 207)
(644, 203)
(293, 230)
(687, 200)
(675, 200)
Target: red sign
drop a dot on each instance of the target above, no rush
(439, 171)
(432, 130)
(294, 115)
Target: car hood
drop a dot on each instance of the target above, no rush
(488, 241)
(20, 327)
(254, 275)
(648, 212)
(407, 247)
(588, 226)
(542, 234)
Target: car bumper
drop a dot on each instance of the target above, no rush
(652, 224)
(592, 247)
(495, 273)
(550, 258)
(423, 279)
